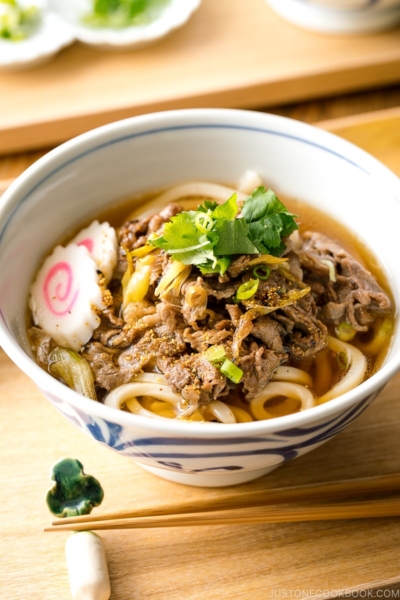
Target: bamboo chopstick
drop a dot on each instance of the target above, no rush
(240, 516)
(248, 500)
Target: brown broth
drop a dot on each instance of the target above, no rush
(310, 219)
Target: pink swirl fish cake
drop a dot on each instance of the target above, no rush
(66, 296)
(101, 241)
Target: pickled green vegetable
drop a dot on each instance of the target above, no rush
(73, 493)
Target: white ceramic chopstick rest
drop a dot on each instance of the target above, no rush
(87, 567)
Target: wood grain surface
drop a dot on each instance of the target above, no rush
(263, 561)
(232, 53)
(224, 562)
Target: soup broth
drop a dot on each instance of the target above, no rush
(300, 378)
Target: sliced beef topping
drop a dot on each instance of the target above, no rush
(111, 367)
(195, 299)
(305, 335)
(139, 317)
(221, 290)
(41, 345)
(104, 364)
(258, 366)
(270, 332)
(355, 296)
(133, 233)
(110, 326)
(204, 338)
(238, 265)
(197, 380)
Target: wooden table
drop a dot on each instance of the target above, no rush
(259, 561)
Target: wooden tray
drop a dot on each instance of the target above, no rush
(258, 561)
(231, 53)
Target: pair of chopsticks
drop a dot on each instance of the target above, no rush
(278, 505)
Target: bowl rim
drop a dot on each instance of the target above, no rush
(31, 179)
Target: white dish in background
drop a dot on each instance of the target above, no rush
(51, 35)
(174, 15)
(339, 16)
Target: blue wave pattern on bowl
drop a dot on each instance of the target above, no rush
(150, 450)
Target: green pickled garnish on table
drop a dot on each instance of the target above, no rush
(124, 13)
(17, 23)
(74, 493)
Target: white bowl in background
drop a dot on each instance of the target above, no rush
(77, 180)
(340, 16)
(51, 35)
(173, 16)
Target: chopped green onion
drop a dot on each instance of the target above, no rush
(331, 267)
(215, 353)
(345, 332)
(342, 360)
(247, 290)
(203, 222)
(231, 371)
(261, 272)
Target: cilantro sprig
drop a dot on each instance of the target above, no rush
(209, 236)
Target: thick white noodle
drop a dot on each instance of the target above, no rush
(199, 189)
(189, 193)
(221, 411)
(136, 408)
(278, 389)
(249, 182)
(151, 378)
(293, 375)
(354, 375)
(118, 397)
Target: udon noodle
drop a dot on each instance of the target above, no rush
(198, 333)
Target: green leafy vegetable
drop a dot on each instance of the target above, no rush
(233, 238)
(17, 23)
(211, 235)
(124, 13)
(268, 220)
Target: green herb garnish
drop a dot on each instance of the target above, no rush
(17, 23)
(124, 13)
(209, 236)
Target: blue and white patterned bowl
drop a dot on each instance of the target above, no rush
(340, 16)
(83, 176)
